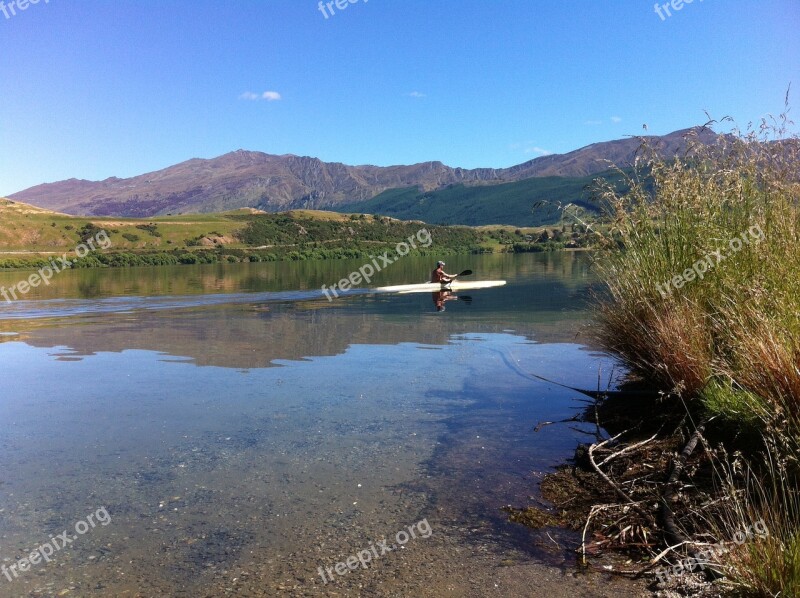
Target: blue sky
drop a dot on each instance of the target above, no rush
(92, 89)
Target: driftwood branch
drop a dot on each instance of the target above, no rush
(626, 450)
(592, 511)
(635, 505)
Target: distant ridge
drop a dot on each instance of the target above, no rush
(247, 179)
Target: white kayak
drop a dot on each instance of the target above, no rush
(432, 287)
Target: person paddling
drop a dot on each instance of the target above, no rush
(440, 276)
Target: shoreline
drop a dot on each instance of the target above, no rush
(178, 257)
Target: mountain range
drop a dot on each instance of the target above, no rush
(249, 179)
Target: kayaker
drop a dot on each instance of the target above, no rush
(439, 275)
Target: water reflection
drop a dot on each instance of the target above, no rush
(253, 329)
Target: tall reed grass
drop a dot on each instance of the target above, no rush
(735, 331)
(726, 343)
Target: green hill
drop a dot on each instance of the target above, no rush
(531, 202)
(30, 236)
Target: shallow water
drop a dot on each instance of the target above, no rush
(242, 431)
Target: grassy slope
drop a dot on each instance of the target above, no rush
(30, 229)
(532, 202)
(26, 231)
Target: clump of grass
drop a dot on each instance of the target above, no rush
(768, 568)
(758, 521)
(725, 398)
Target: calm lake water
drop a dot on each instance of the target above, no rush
(241, 431)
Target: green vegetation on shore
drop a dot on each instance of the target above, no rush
(701, 276)
(29, 236)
